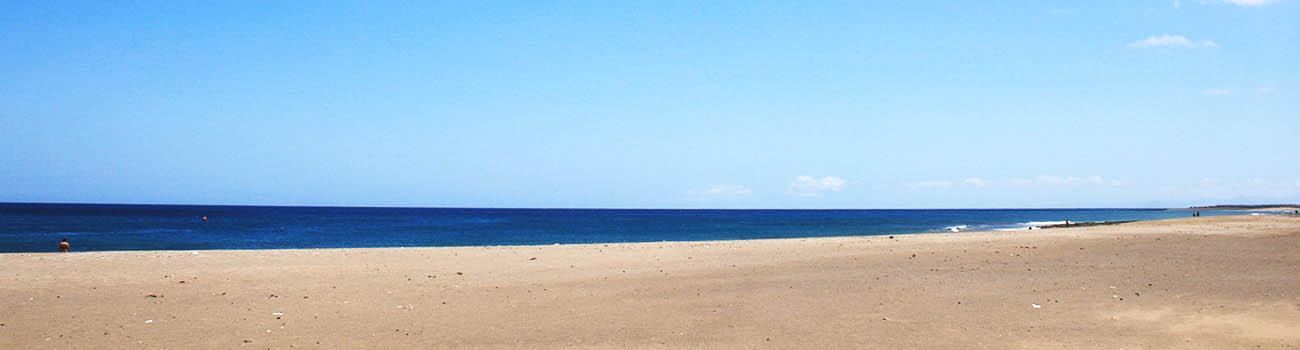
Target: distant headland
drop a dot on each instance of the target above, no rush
(1258, 207)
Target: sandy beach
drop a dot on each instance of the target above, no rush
(1197, 283)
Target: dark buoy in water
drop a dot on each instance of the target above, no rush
(205, 219)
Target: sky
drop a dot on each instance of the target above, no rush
(659, 104)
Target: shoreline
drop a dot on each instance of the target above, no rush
(1286, 209)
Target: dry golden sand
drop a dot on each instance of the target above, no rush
(1209, 282)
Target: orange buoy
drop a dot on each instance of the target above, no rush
(205, 219)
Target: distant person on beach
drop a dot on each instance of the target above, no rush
(64, 247)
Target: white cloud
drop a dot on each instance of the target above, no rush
(1070, 180)
(807, 186)
(1239, 190)
(1251, 2)
(1041, 180)
(1170, 41)
(1265, 90)
(1209, 182)
(1218, 91)
(723, 191)
(1050, 180)
(929, 184)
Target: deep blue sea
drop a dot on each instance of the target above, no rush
(26, 227)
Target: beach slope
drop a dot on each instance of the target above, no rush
(1207, 282)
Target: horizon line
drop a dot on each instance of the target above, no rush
(594, 208)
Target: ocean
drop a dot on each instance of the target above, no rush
(31, 227)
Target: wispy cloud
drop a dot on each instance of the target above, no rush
(1069, 180)
(929, 184)
(807, 186)
(1178, 4)
(1241, 189)
(1048, 180)
(1251, 2)
(723, 191)
(1265, 90)
(1254, 181)
(1170, 41)
(1218, 91)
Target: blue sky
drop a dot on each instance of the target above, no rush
(652, 105)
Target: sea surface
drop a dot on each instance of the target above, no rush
(28, 227)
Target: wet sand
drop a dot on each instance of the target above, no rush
(1198, 283)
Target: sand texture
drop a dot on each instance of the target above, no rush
(1196, 283)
